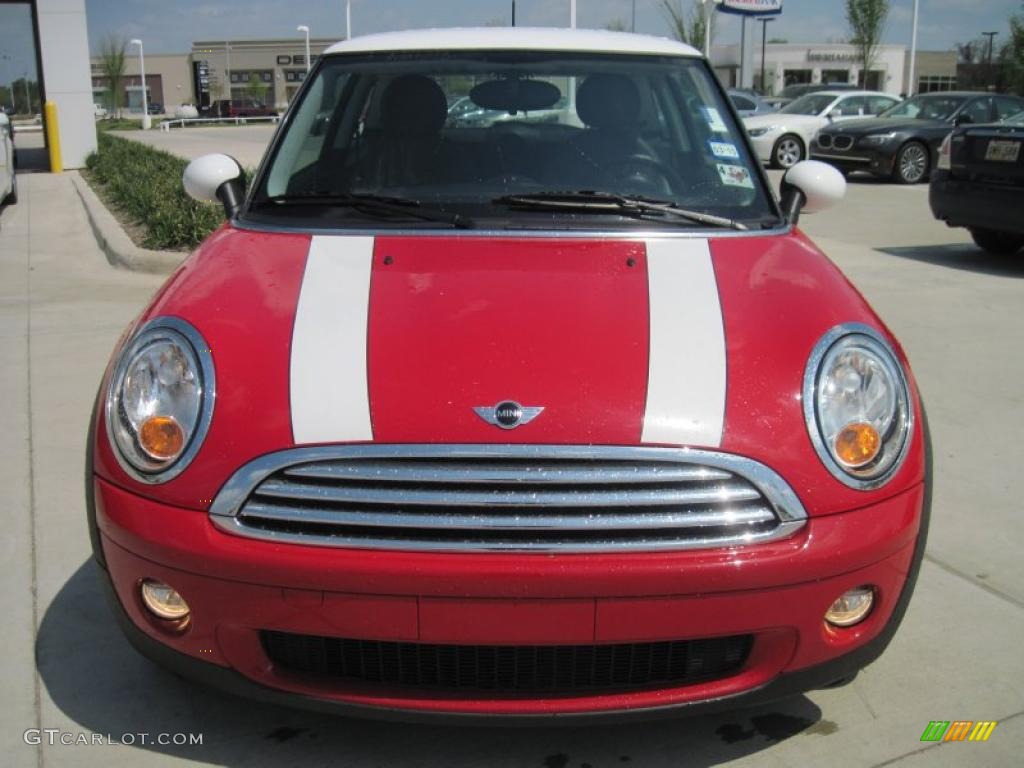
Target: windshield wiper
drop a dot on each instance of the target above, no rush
(372, 204)
(606, 202)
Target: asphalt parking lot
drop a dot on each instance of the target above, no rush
(957, 657)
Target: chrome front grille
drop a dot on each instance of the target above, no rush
(487, 497)
(824, 140)
(842, 142)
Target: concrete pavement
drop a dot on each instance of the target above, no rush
(957, 656)
(246, 143)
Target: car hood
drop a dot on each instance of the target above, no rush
(870, 125)
(782, 120)
(683, 341)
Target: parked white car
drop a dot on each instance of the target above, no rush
(186, 111)
(782, 139)
(99, 112)
(8, 182)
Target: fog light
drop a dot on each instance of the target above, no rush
(163, 601)
(851, 608)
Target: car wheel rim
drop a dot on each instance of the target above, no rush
(913, 163)
(788, 154)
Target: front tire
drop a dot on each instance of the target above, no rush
(12, 197)
(998, 243)
(788, 151)
(912, 163)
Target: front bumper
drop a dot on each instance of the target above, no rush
(876, 160)
(776, 592)
(973, 204)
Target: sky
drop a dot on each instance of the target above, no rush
(170, 27)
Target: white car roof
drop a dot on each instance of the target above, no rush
(514, 38)
(835, 94)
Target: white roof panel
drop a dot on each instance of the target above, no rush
(514, 38)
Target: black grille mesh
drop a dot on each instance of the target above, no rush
(515, 669)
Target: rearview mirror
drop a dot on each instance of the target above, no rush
(216, 178)
(809, 187)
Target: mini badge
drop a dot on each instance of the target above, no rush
(508, 414)
(735, 176)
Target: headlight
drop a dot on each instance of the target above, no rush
(857, 406)
(877, 140)
(160, 400)
(760, 131)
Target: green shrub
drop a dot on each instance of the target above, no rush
(145, 183)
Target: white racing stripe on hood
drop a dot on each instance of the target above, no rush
(686, 365)
(328, 387)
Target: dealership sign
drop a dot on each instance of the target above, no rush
(751, 7)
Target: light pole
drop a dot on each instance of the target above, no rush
(304, 29)
(28, 97)
(765, 21)
(227, 69)
(911, 85)
(990, 36)
(146, 123)
(709, 9)
(348, 19)
(572, 14)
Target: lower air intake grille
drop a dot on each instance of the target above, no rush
(513, 669)
(457, 498)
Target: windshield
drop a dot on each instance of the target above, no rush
(1017, 119)
(463, 131)
(793, 91)
(811, 104)
(931, 107)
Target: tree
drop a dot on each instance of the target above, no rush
(1012, 55)
(687, 28)
(256, 89)
(112, 53)
(616, 25)
(866, 19)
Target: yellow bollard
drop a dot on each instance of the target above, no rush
(53, 137)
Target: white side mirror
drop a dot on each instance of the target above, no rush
(205, 175)
(811, 186)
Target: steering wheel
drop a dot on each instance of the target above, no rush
(647, 171)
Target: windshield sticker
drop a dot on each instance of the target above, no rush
(735, 176)
(714, 120)
(724, 149)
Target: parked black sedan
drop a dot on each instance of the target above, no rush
(903, 142)
(979, 184)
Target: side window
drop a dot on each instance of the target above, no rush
(854, 106)
(877, 104)
(742, 104)
(1007, 107)
(978, 111)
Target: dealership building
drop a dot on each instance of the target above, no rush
(797, 63)
(268, 72)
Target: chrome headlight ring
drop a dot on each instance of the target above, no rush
(182, 379)
(885, 375)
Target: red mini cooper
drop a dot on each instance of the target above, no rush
(555, 412)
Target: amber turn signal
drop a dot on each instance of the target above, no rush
(857, 445)
(161, 437)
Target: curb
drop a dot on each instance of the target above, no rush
(114, 241)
